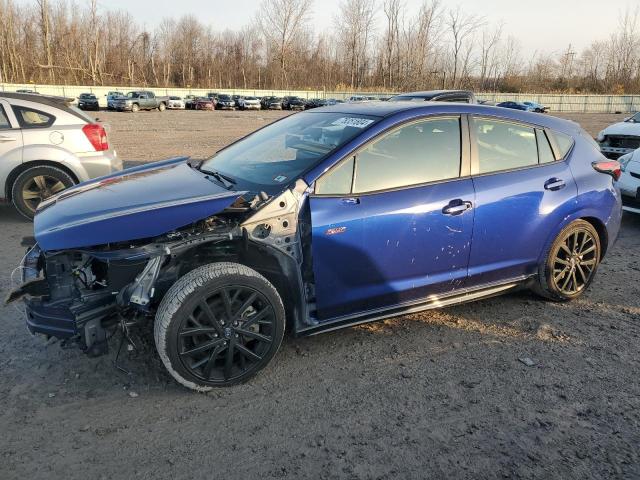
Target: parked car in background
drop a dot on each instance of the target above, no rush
(629, 182)
(111, 97)
(620, 138)
(204, 103)
(46, 146)
(88, 101)
(536, 107)
(271, 103)
(225, 102)
(357, 99)
(315, 103)
(293, 103)
(354, 213)
(236, 99)
(249, 103)
(140, 100)
(189, 102)
(23, 90)
(459, 96)
(175, 103)
(515, 106)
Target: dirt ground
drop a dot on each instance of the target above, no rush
(441, 394)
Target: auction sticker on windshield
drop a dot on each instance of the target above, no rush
(353, 122)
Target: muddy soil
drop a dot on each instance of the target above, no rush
(443, 394)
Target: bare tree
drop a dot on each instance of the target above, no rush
(281, 21)
(462, 26)
(354, 26)
(46, 41)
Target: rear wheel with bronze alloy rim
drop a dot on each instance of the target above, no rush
(571, 263)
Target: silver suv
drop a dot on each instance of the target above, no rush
(47, 145)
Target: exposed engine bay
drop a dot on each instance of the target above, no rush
(86, 295)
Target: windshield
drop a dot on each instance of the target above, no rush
(277, 154)
(635, 118)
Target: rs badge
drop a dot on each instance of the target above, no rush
(336, 230)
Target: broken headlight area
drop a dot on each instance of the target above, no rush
(75, 296)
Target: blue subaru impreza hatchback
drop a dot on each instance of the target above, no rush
(324, 219)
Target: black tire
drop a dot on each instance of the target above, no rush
(199, 321)
(571, 263)
(162, 107)
(135, 108)
(36, 184)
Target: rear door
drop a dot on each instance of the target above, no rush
(10, 143)
(522, 193)
(393, 223)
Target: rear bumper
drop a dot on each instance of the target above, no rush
(99, 164)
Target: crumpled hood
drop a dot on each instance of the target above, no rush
(623, 128)
(137, 203)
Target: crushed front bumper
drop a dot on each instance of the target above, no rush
(614, 152)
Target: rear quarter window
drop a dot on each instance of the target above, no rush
(4, 121)
(564, 143)
(32, 118)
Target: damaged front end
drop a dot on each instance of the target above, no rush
(85, 295)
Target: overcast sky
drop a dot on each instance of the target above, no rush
(540, 25)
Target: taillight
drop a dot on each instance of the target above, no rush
(97, 135)
(610, 167)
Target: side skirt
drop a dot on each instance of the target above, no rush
(430, 303)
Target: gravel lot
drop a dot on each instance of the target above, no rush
(436, 395)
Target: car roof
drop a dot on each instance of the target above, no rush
(434, 93)
(388, 109)
(61, 103)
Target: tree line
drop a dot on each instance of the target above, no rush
(373, 45)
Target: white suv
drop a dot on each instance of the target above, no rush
(47, 145)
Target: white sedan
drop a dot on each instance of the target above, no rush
(175, 103)
(630, 181)
(249, 103)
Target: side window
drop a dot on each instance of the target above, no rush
(504, 145)
(544, 149)
(337, 181)
(29, 118)
(422, 152)
(564, 142)
(4, 121)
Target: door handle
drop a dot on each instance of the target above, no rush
(554, 184)
(350, 201)
(7, 139)
(456, 207)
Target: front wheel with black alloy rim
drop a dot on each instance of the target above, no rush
(571, 263)
(37, 184)
(218, 326)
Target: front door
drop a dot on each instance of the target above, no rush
(392, 224)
